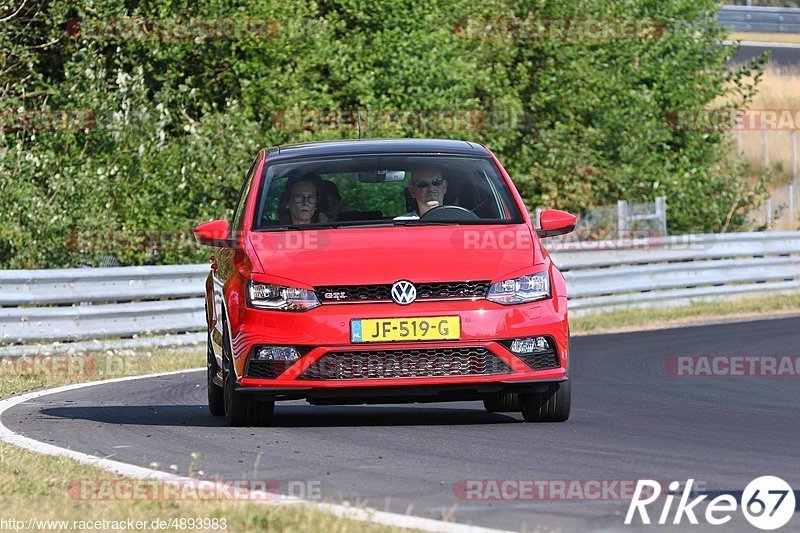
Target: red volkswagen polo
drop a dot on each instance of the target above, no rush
(384, 271)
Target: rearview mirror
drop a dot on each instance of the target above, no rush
(382, 176)
(553, 222)
(215, 233)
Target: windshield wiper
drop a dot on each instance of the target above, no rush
(359, 224)
(299, 228)
(417, 222)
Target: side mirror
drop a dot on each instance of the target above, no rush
(215, 233)
(553, 222)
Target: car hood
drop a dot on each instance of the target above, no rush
(359, 255)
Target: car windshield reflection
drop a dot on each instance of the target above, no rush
(369, 191)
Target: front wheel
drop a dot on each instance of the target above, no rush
(241, 409)
(502, 403)
(551, 405)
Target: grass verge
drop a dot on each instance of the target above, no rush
(765, 37)
(697, 313)
(39, 487)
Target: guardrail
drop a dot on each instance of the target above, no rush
(89, 303)
(756, 19)
(677, 270)
(79, 304)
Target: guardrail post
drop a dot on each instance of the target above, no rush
(739, 142)
(661, 213)
(622, 218)
(768, 205)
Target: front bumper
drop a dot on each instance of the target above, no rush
(397, 394)
(326, 330)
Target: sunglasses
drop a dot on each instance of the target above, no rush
(300, 198)
(425, 184)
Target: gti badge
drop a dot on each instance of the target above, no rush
(404, 292)
(335, 295)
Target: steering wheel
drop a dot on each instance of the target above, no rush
(449, 213)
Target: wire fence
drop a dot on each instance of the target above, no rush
(777, 150)
(623, 220)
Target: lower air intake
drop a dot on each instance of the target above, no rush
(417, 363)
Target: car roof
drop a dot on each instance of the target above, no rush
(378, 146)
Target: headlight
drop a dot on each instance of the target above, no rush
(521, 290)
(268, 296)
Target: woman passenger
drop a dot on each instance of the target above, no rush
(299, 202)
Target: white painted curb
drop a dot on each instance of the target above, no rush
(761, 44)
(138, 472)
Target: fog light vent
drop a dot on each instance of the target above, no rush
(530, 345)
(276, 353)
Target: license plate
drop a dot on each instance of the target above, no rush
(405, 329)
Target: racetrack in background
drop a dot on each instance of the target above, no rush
(632, 419)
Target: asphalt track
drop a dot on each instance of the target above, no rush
(782, 56)
(631, 420)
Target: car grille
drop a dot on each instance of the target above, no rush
(379, 293)
(267, 369)
(418, 363)
(540, 361)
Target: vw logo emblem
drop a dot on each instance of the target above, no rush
(404, 292)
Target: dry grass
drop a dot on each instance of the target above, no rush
(695, 314)
(19, 374)
(766, 37)
(37, 487)
(778, 91)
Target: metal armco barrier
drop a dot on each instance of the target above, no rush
(755, 19)
(93, 303)
(102, 303)
(608, 275)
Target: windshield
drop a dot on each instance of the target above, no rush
(392, 189)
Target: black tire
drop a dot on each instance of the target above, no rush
(216, 396)
(241, 409)
(553, 405)
(502, 403)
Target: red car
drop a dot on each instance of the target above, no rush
(384, 271)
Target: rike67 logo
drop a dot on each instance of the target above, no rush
(767, 502)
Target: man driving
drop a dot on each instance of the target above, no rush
(427, 188)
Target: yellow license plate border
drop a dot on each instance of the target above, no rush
(456, 320)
